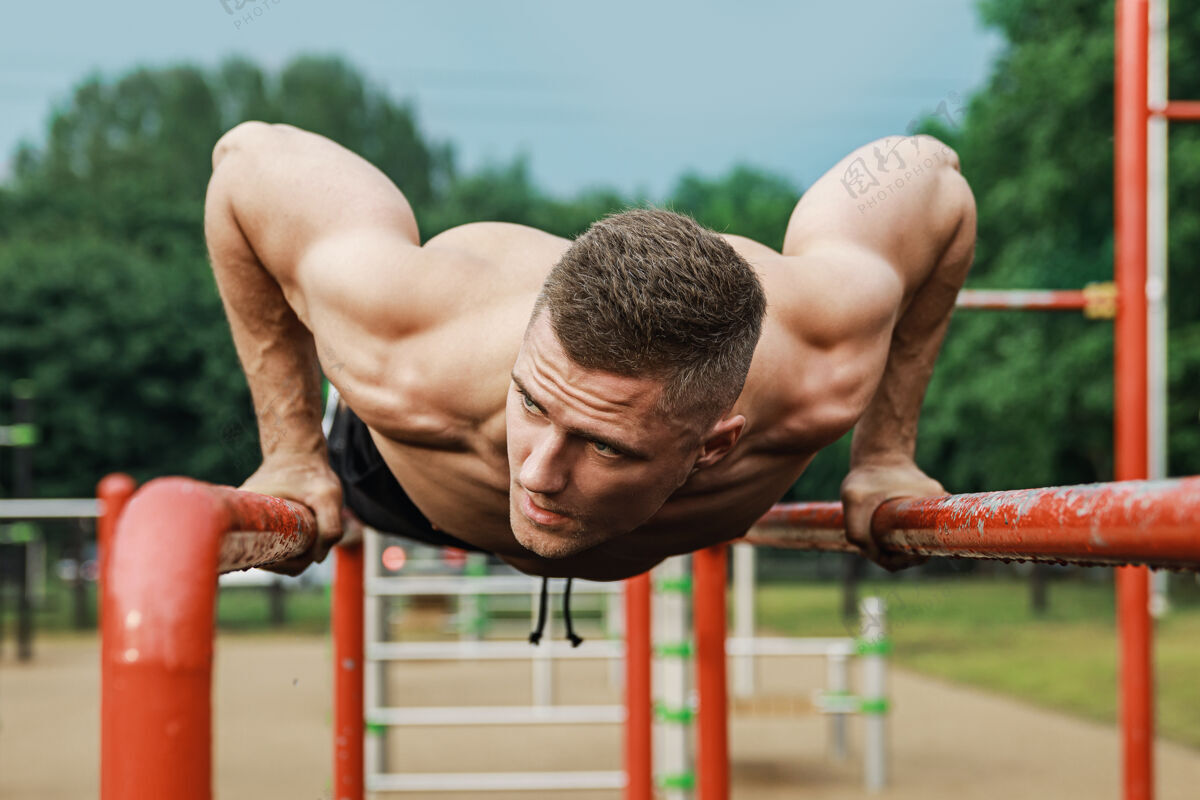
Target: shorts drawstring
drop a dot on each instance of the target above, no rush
(535, 637)
(571, 637)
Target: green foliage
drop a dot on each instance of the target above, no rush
(130, 362)
(1025, 399)
(106, 298)
(746, 201)
(507, 194)
(106, 301)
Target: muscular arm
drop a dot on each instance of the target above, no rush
(882, 465)
(276, 350)
(281, 209)
(888, 427)
(917, 237)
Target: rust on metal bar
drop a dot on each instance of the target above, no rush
(263, 529)
(1155, 523)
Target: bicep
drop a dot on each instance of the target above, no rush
(829, 324)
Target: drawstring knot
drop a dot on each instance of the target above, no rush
(535, 637)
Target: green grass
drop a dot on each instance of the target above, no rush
(982, 633)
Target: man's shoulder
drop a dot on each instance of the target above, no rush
(517, 253)
(890, 195)
(426, 337)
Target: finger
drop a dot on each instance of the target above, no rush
(329, 529)
(858, 527)
(892, 560)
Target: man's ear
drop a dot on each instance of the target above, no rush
(720, 439)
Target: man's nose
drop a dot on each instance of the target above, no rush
(546, 471)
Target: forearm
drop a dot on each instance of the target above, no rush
(887, 429)
(276, 350)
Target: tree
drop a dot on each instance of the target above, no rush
(106, 299)
(1024, 399)
(745, 201)
(131, 365)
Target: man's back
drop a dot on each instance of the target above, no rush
(421, 341)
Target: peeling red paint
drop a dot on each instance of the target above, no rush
(1155, 523)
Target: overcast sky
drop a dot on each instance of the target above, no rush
(624, 93)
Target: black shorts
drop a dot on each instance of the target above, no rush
(370, 489)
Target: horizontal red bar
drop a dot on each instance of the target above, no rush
(263, 530)
(1156, 523)
(249, 529)
(1044, 300)
(1182, 110)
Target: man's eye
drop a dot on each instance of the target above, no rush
(606, 449)
(527, 401)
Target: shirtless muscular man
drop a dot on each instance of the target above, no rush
(587, 408)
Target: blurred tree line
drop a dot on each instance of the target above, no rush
(1023, 399)
(106, 299)
(108, 305)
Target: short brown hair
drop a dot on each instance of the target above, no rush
(651, 292)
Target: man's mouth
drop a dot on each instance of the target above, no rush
(539, 515)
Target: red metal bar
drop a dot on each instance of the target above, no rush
(712, 721)
(639, 757)
(1130, 375)
(1182, 110)
(349, 725)
(1031, 300)
(172, 540)
(1143, 522)
(113, 492)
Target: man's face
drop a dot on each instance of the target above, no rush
(590, 457)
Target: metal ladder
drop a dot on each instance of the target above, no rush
(381, 717)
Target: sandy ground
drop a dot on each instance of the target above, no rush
(273, 709)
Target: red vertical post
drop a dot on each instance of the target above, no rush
(113, 492)
(1131, 456)
(157, 622)
(712, 731)
(639, 756)
(172, 540)
(348, 724)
